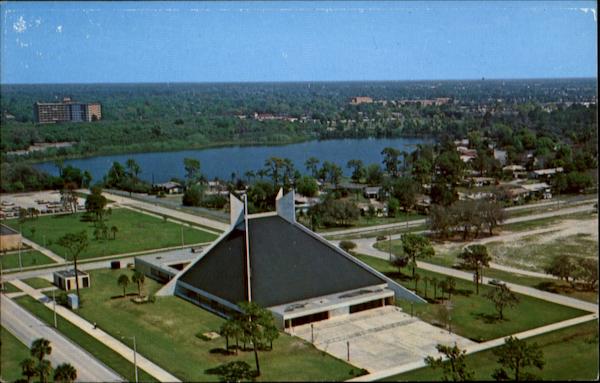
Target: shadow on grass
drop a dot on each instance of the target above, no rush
(487, 318)
(122, 297)
(221, 351)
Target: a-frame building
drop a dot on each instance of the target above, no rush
(272, 260)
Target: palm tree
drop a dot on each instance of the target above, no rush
(44, 370)
(65, 373)
(40, 348)
(138, 278)
(28, 369)
(114, 230)
(123, 281)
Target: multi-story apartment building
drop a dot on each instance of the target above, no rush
(66, 111)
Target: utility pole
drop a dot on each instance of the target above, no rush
(54, 307)
(135, 360)
(312, 333)
(348, 351)
(20, 245)
(390, 244)
(181, 236)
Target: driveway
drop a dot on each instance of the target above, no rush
(379, 339)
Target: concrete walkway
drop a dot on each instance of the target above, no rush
(116, 345)
(473, 348)
(164, 211)
(43, 250)
(27, 328)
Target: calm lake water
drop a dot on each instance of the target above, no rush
(221, 162)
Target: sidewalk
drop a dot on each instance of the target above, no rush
(43, 250)
(116, 345)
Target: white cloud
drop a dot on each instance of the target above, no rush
(59, 29)
(20, 25)
(38, 22)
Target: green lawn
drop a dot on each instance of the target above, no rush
(165, 332)
(570, 354)
(28, 258)
(103, 353)
(38, 283)
(474, 316)
(12, 352)
(136, 232)
(9, 288)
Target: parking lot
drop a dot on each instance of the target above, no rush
(46, 202)
(378, 339)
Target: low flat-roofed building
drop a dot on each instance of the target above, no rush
(10, 239)
(65, 279)
(372, 191)
(546, 173)
(165, 265)
(281, 265)
(168, 187)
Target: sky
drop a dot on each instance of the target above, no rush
(100, 42)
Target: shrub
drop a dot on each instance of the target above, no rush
(381, 238)
(347, 245)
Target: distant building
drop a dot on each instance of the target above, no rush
(66, 111)
(546, 173)
(169, 187)
(361, 100)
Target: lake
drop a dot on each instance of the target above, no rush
(221, 162)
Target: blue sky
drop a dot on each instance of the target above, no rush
(72, 42)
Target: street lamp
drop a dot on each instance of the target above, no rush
(134, 356)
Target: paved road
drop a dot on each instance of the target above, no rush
(100, 335)
(417, 222)
(164, 211)
(27, 328)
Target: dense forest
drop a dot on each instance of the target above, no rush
(157, 117)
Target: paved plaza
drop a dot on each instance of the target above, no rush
(379, 339)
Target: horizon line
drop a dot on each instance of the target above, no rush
(304, 81)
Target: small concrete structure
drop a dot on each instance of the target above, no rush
(73, 301)
(65, 279)
(10, 239)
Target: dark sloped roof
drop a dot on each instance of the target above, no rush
(221, 271)
(287, 265)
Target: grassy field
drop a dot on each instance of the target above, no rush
(38, 283)
(172, 321)
(103, 353)
(136, 232)
(12, 352)
(570, 354)
(29, 258)
(545, 222)
(9, 288)
(474, 316)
